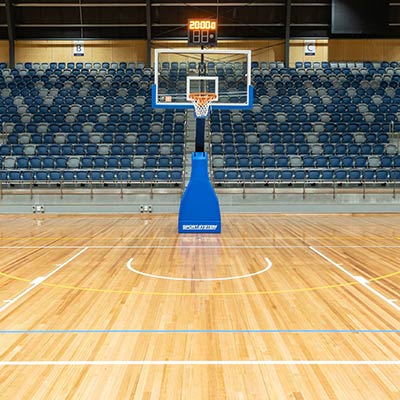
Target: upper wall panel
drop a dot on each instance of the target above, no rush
(167, 19)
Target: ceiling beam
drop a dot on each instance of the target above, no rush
(174, 4)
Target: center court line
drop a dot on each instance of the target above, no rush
(37, 281)
(198, 362)
(187, 331)
(361, 280)
(129, 266)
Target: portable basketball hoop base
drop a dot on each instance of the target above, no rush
(199, 210)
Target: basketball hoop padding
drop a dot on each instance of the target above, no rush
(199, 210)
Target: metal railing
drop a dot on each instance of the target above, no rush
(393, 135)
(28, 185)
(307, 186)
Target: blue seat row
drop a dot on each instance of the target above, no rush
(302, 175)
(78, 65)
(85, 138)
(272, 162)
(91, 175)
(90, 149)
(119, 161)
(299, 138)
(300, 149)
(294, 127)
(65, 127)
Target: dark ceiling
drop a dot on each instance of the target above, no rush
(127, 19)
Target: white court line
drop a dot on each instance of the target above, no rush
(37, 281)
(199, 362)
(129, 266)
(200, 247)
(363, 281)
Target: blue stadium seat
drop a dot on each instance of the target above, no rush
(287, 175)
(55, 176)
(125, 162)
(14, 176)
(321, 162)
(308, 162)
(314, 174)
(149, 176)
(259, 175)
(340, 175)
(354, 175)
(219, 175)
(272, 175)
(122, 176)
(360, 162)
(83, 175)
(386, 161)
(269, 162)
(232, 175)
(299, 175)
(282, 162)
(244, 161)
(176, 176)
(327, 175)
(368, 175)
(40, 176)
(382, 175)
(347, 162)
(86, 162)
(395, 175)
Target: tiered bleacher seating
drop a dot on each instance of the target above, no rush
(313, 123)
(80, 122)
(86, 122)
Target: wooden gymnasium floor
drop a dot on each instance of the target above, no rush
(276, 307)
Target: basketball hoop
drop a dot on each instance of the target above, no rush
(201, 102)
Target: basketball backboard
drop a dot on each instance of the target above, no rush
(179, 73)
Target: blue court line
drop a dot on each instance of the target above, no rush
(68, 331)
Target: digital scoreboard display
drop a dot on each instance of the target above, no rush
(202, 32)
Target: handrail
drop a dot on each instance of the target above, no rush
(120, 186)
(394, 134)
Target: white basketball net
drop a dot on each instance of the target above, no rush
(201, 103)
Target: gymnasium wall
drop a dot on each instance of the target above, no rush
(62, 50)
(95, 51)
(263, 50)
(297, 51)
(4, 51)
(364, 50)
(123, 50)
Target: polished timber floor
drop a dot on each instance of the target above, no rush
(275, 307)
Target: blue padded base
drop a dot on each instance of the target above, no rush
(199, 210)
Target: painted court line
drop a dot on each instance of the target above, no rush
(129, 266)
(36, 282)
(361, 280)
(203, 247)
(197, 362)
(197, 331)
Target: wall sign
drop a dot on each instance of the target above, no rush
(79, 49)
(309, 47)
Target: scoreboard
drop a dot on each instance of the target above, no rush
(202, 32)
